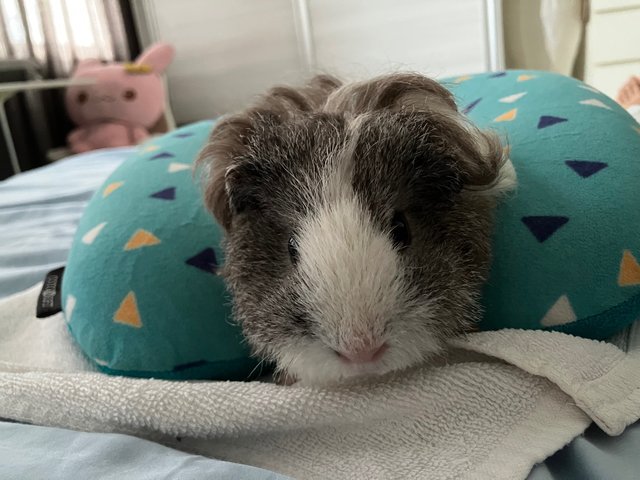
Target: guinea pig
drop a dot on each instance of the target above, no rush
(358, 221)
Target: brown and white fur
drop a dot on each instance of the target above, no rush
(358, 220)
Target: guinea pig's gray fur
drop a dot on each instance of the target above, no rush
(358, 220)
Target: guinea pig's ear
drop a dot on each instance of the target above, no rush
(240, 183)
(219, 163)
(229, 180)
(394, 92)
(282, 101)
(484, 166)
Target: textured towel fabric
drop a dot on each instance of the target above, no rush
(502, 402)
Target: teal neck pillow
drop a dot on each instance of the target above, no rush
(141, 293)
(567, 243)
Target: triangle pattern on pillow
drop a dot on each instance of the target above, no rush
(629, 270)
(165, 194)
(141, 238)
(128, 313)
(585, 168)
(542, 227)
(560, 313)
(549, 120)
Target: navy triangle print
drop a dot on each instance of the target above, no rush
(204, 260)
(542, 227)
(183, 134)
(471, 106)
(585, 168)
(498, 74)
(166, 194)
(160, 155)
(549, 120)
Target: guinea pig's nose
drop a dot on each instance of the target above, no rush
(363, 355)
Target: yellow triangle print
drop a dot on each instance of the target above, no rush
(629, 270)
(507, 116)
(150, 148)
(524, 78)
(463, 78)
(140, 239)
(127, 313)
(637, 129)
(112, 187)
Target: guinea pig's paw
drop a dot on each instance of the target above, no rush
(285, 379)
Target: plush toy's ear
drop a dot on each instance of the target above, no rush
(395, 92)
(158, 56)
(86, 64)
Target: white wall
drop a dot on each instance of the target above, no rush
(366, 37)
(230, 50)
(613, 44)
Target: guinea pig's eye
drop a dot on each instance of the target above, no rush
(129, 94)
(292, 246)
(82, 97)
(400, 230)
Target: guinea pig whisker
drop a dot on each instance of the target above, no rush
(259, 365)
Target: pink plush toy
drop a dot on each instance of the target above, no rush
(125, 102)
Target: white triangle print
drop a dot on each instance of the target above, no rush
(594, 102)
(560, 313)
(512, 98)
(101, 362)
(177, 167)
(91, 235)
(68, 308)
(591, 89)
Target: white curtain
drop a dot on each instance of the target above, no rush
(57, 33)
(563, 24)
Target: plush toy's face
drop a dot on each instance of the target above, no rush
(116, 96)
(132, 93)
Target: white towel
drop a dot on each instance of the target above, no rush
(563, 24)
(503, 402)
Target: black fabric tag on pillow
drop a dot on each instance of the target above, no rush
(49, 300)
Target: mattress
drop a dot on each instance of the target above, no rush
(39, 211)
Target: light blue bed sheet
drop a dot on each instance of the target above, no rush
(33, 452)
(39, 211)
(595, 456)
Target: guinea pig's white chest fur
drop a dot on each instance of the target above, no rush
(354, 292)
